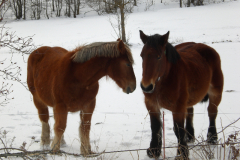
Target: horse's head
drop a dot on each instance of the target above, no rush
(156, 55)
(121, 70)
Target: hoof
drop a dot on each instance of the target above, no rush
(45, 147)
(153, 152)
(63, 143)
(190, 139)
(179, 157)
(88, 154)
(55, 147)
(86, 151)
(182, 153)
(45, 142)
(212, 139)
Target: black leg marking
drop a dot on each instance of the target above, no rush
(182, 144)
(212, 132)
(156, 143)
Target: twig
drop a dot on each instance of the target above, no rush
(39, 152)
(224, 145)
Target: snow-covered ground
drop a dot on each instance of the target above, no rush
(120, 121)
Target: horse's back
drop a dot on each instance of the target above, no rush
(44, 51)
(202, 67)
(206, 52)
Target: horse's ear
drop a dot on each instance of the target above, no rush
(165, 38)
(143, 37)
(172, 54)
(118, 39)
(121, 46)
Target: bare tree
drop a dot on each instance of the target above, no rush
(9, 71)
(68, 8)
(17, 7)
(73, 6)
(58, 7)
(195, 3)
(135, 2)
(53, 8)
(124, 7)
(46, 8)
(4, 5)
(36, 8)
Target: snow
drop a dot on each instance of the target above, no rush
(120, 121)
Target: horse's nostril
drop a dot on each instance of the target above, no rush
(128, 90)
(148, 88)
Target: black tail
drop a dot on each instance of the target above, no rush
(205, 99)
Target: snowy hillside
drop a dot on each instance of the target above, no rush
(120, 121)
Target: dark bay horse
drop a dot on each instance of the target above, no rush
(68, 82)
(176, 78)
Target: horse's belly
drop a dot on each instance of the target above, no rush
(45, 97)
(197, 95)
(78, 105)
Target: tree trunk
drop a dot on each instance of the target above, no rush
(135, 2)
(78, 6)
(24, 9)
(53, 7)
(180, 3)
(122, 23)
(19, 9)
(188, 3)
(47, 9)
(58, 5)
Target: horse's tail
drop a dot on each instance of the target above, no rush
(205, 99)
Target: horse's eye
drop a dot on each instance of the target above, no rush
(159, 57)
(128, 64)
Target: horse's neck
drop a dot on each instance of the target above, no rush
(91, 71)
(167, 70)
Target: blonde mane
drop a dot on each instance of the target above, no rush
(100, 49)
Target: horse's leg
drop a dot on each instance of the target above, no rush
(44, 117)
(215, 96)
(63, 142)
(178, 120)
(189, 125)
(84, 129)
(212, 114)
(60, 116)
(154, 150)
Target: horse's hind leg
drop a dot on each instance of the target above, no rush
(84, 129)
(44, 117)
(212, 114)
(215, 96)
(189, 125)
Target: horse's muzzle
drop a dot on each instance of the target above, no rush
(130, 89)
(148, 89)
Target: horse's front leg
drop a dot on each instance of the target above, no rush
(154, 150)
(84, 129)
(60, 116)
(178, 120)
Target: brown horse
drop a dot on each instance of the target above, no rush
(68, 82)
(176, 78)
